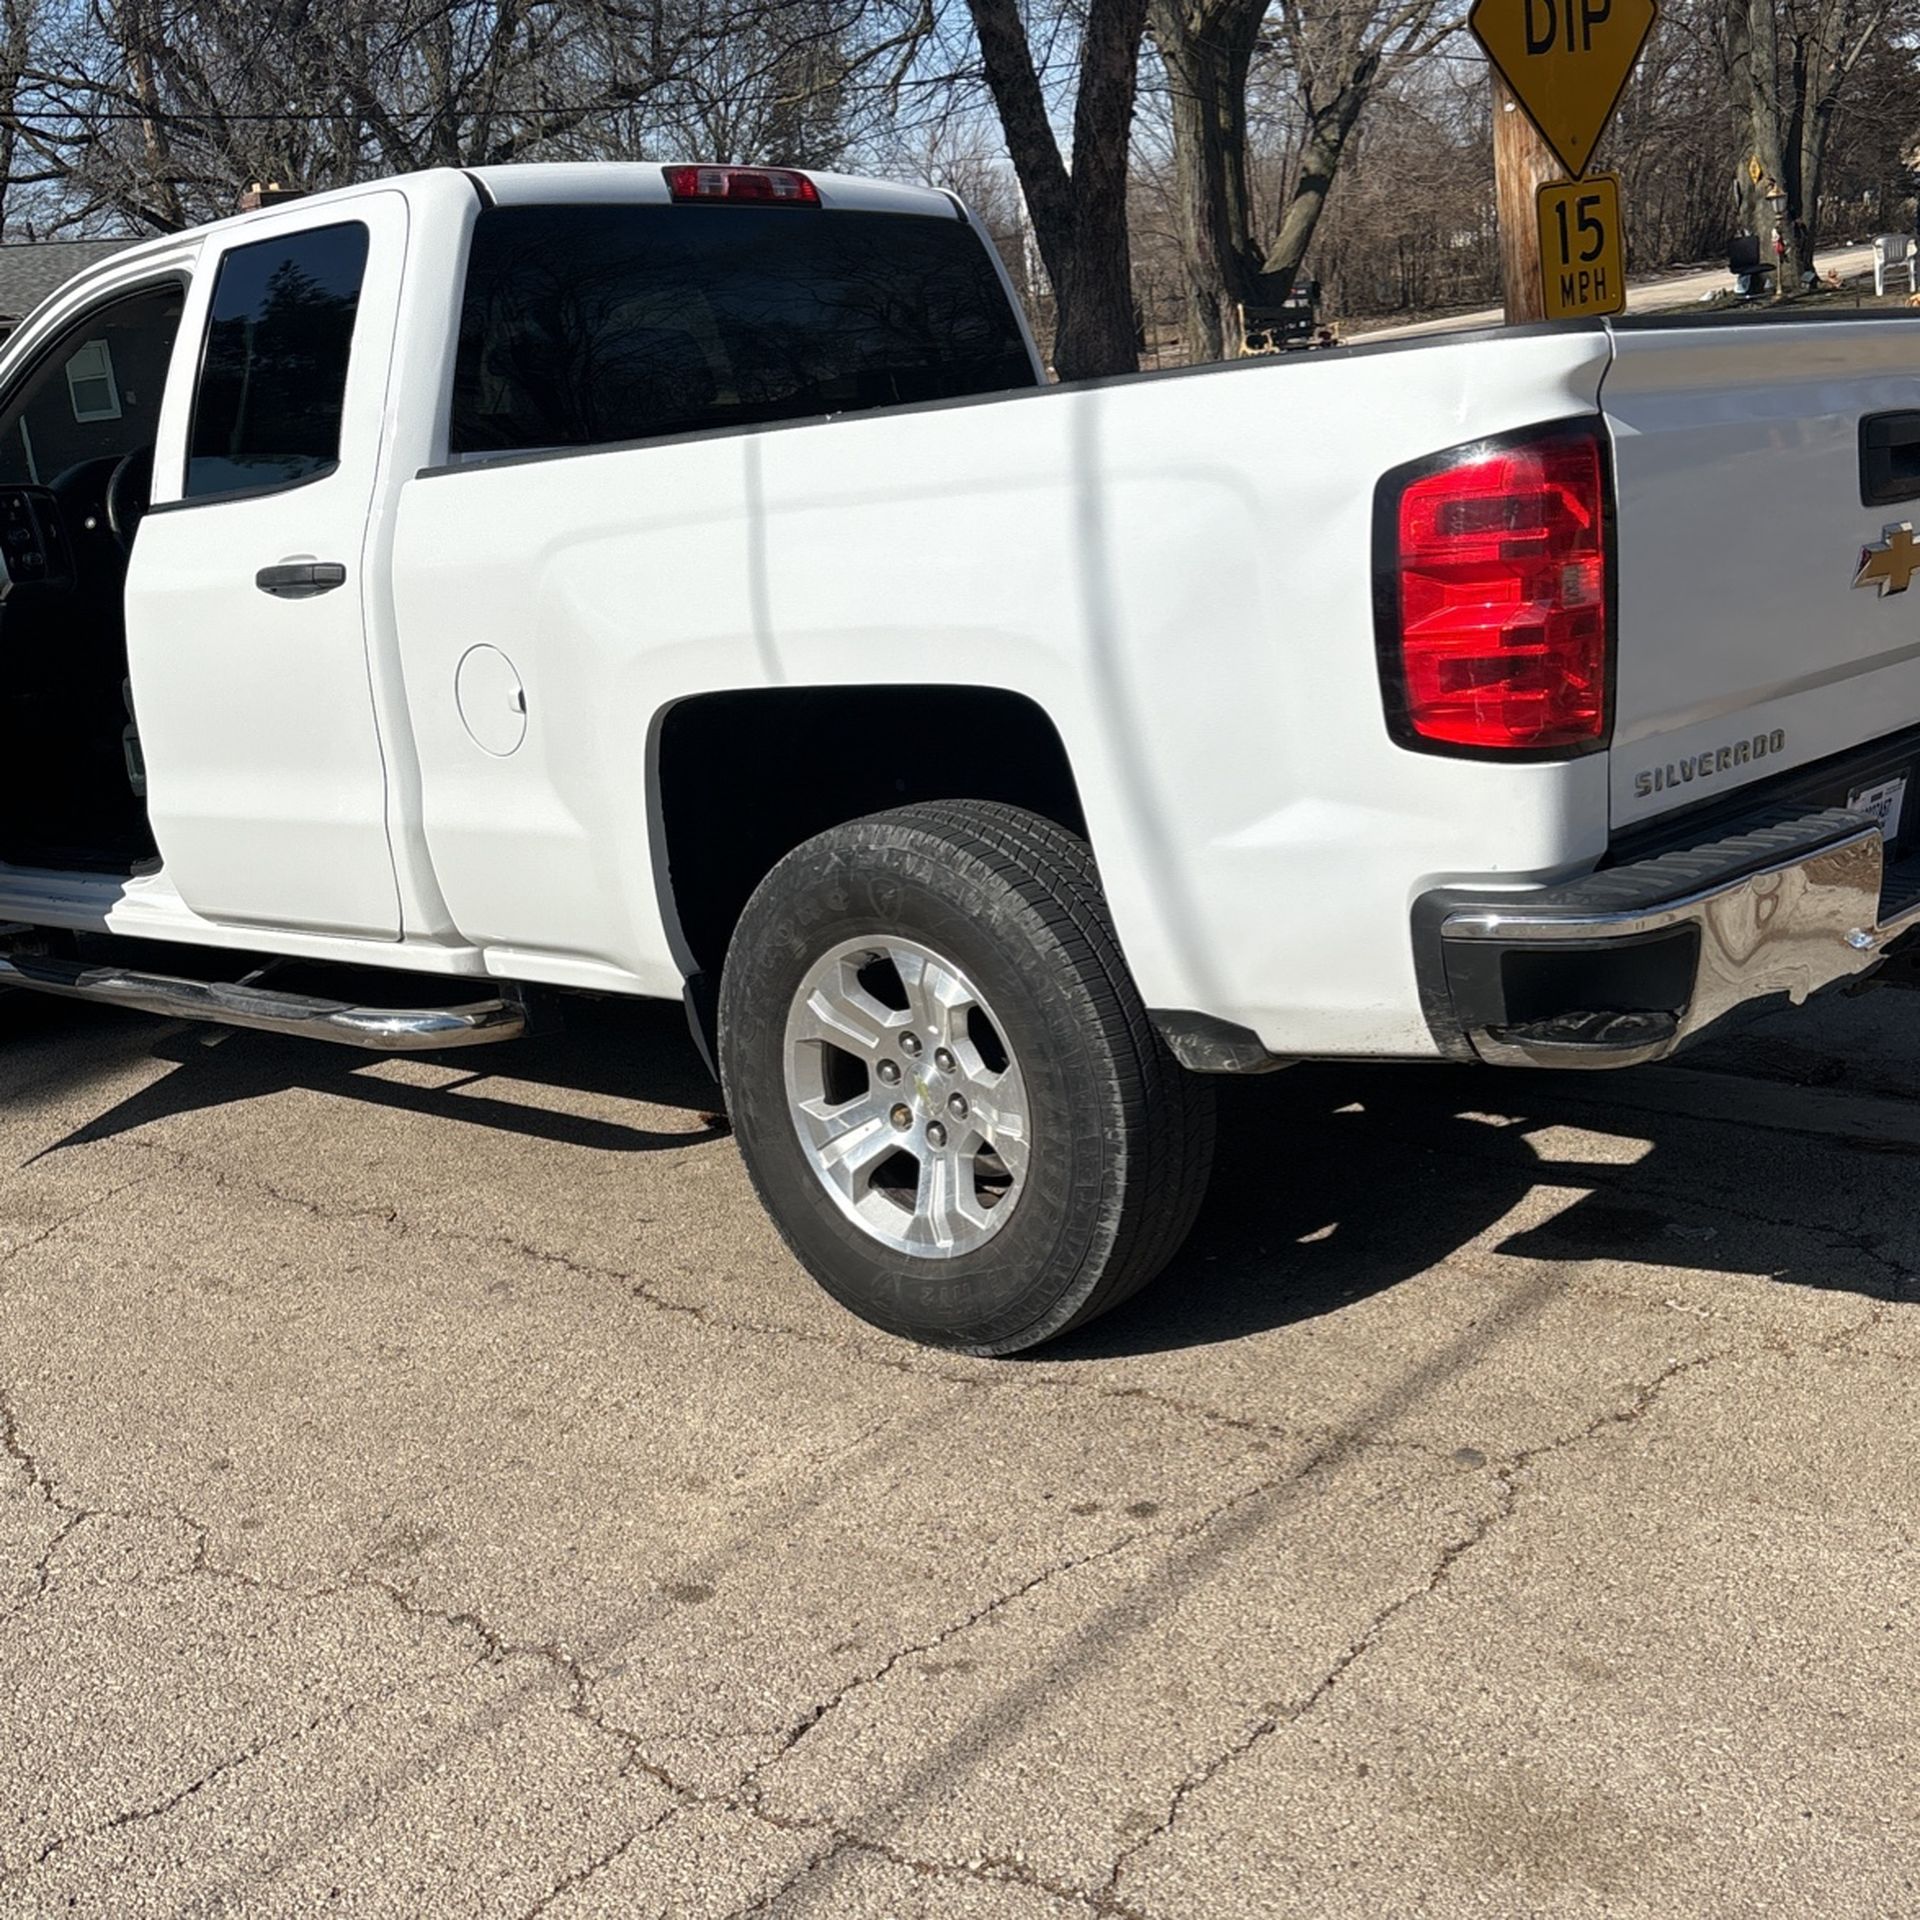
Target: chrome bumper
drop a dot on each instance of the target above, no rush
(1788, 929)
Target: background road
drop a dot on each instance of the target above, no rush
(1644, 296)
(431, 1490)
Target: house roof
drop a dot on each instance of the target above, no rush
(32, 269)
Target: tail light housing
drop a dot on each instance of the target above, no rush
(763, 186)
(1496, 593)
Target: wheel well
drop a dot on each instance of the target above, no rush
(741, 779)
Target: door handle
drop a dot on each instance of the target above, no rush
(301, 579)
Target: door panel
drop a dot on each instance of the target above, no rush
(246, 594)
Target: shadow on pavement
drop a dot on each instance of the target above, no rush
(1336, 1183)
(1332, 1184)
(640, 1053)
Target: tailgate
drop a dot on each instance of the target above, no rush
(1745, 649)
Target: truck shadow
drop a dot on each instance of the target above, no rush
(1332, 1184)
(633, 1055)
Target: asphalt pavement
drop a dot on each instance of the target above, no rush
(428, 1488)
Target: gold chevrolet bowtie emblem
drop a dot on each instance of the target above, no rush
(1892, 564)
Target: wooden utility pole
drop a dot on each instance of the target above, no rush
(1523, 163)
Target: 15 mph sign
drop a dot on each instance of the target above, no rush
(1583, 252)
(1567, 61)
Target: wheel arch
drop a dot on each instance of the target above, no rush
(736, 779)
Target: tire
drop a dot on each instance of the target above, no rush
(964, 949)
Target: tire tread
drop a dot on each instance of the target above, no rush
(1167, 1113)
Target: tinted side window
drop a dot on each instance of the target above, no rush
(274, 375)
(586, 325)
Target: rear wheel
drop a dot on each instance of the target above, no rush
(947, 1092)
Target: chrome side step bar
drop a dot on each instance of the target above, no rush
(381, 1029)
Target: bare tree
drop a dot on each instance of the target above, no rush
(160, 111)
(17, 166)
(1079, 213)
(1790, 63)
(1281, 125)
(1207, 48)
(1336, 52)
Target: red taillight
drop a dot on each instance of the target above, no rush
(1501, 599)
(769, 186)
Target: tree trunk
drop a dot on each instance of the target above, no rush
(141, 38)
(1207, 50)
(1756, 60)
(1797, 228)
(1207, 47)
(1816, 130)
(1079, 217)
(1790, 111)
(18, 53)
(1104, 337)
(1327, 136)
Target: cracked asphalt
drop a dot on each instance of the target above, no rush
(428, 1488)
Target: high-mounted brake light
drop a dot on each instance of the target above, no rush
(765, 186)
(1497, 625)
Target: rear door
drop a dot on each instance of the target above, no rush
(1746, 649)
(246, 593)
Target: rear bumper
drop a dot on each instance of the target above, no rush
(1628, 965)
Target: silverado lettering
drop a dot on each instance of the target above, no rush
(1709, 765)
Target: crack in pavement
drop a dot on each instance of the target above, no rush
(750, 1782)
(76, 1213)
(988, 1871)
(917, 1364)
(135, 1816)
(1104, 1899)
(498, 1647)
(738, 1799)
(763, 1902)
(1599, 1176)
(40, 1575)
(40, 1483)
(580, 1875)
(744, 1797)
(75, 1514)
(1594, 1179)
(38, 1479)
(1507, 1474)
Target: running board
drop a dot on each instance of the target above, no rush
(380, 1029)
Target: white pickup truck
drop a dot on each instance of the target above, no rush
(683, 582)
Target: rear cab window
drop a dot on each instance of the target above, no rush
(592, 325)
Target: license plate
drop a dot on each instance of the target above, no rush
(1885, 802)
